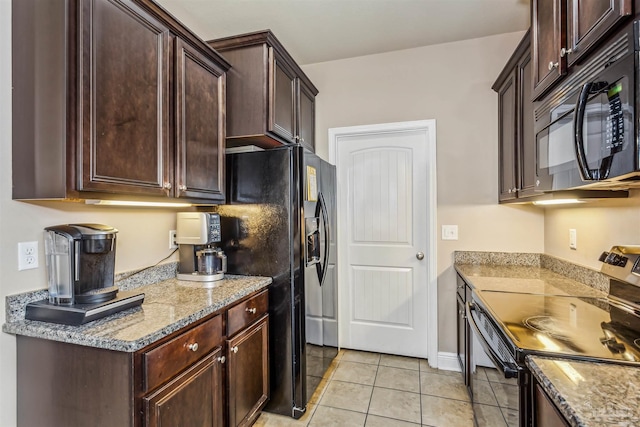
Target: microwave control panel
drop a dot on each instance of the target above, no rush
(614, 123)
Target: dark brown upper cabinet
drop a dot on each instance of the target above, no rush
(200, 124)
(516, 144)
(114, 99)
(564, 31)
(270, 101)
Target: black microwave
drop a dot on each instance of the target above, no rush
(586, 129)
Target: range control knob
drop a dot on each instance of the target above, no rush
(622, 261)
(603, 256)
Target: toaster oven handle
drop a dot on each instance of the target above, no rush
(509, 369)
(587, 174)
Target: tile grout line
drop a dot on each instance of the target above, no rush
(373, 386)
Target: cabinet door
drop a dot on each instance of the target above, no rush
(589, 21)
(549, 37)
(248, 373)
(194, 398)
(545, 412)
(282, 114)
(507, 108)
(526, 137)
(200, 125)
(123, 115)
(306, 116)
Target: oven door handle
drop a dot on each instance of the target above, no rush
(510, 370)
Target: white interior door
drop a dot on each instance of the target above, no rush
(386, 210)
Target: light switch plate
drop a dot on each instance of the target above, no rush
(449, 232)
(573, 237)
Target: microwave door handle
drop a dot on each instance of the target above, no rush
(578, 140)
(578, 121)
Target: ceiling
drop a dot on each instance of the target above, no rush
(326, 30)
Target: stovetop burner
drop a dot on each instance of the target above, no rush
(549, 326)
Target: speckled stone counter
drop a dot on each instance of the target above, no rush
(168, 306)
(532, 273)
(588, 393)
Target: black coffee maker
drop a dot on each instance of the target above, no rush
(80, 262)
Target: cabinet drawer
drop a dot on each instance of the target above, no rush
(246, 313)
(165, 361)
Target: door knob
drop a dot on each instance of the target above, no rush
(420, 256)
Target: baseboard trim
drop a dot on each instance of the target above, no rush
(448, 361)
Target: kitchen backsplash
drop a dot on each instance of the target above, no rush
(579, 273)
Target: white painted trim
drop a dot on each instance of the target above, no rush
(447, 362)
(429, 127)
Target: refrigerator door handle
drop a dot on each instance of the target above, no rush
(322, 267)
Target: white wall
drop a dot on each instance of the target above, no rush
(599, 225)
(450, 83)
(142, 239)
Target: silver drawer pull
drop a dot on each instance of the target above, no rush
(234, 349)
(193, 346)
(222, 359)
(251, 310)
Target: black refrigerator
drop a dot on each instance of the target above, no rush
(280, 221)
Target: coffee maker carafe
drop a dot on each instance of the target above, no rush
(200, 259)
(80, 263)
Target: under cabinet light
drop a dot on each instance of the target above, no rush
(137, 203)
(557, 202)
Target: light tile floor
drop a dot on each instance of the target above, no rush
(380, 390)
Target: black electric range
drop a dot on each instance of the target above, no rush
(512, 325)
(567, 326)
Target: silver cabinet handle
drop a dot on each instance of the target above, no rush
(564, 52)
(234, 349)
(193, 346)
(552, 65)
(420, 256)
(167, 186)
(182, 187)
(222, 359)
(251, 310)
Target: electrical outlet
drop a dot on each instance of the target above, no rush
(172, 240)
(27, 255)
(573, 238)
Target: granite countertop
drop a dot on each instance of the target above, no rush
(168, 306)
(589, 393)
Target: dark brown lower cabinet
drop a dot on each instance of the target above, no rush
(177, 381)
(68, 385)
(248, 373)
(545, 412)
(194, 398)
